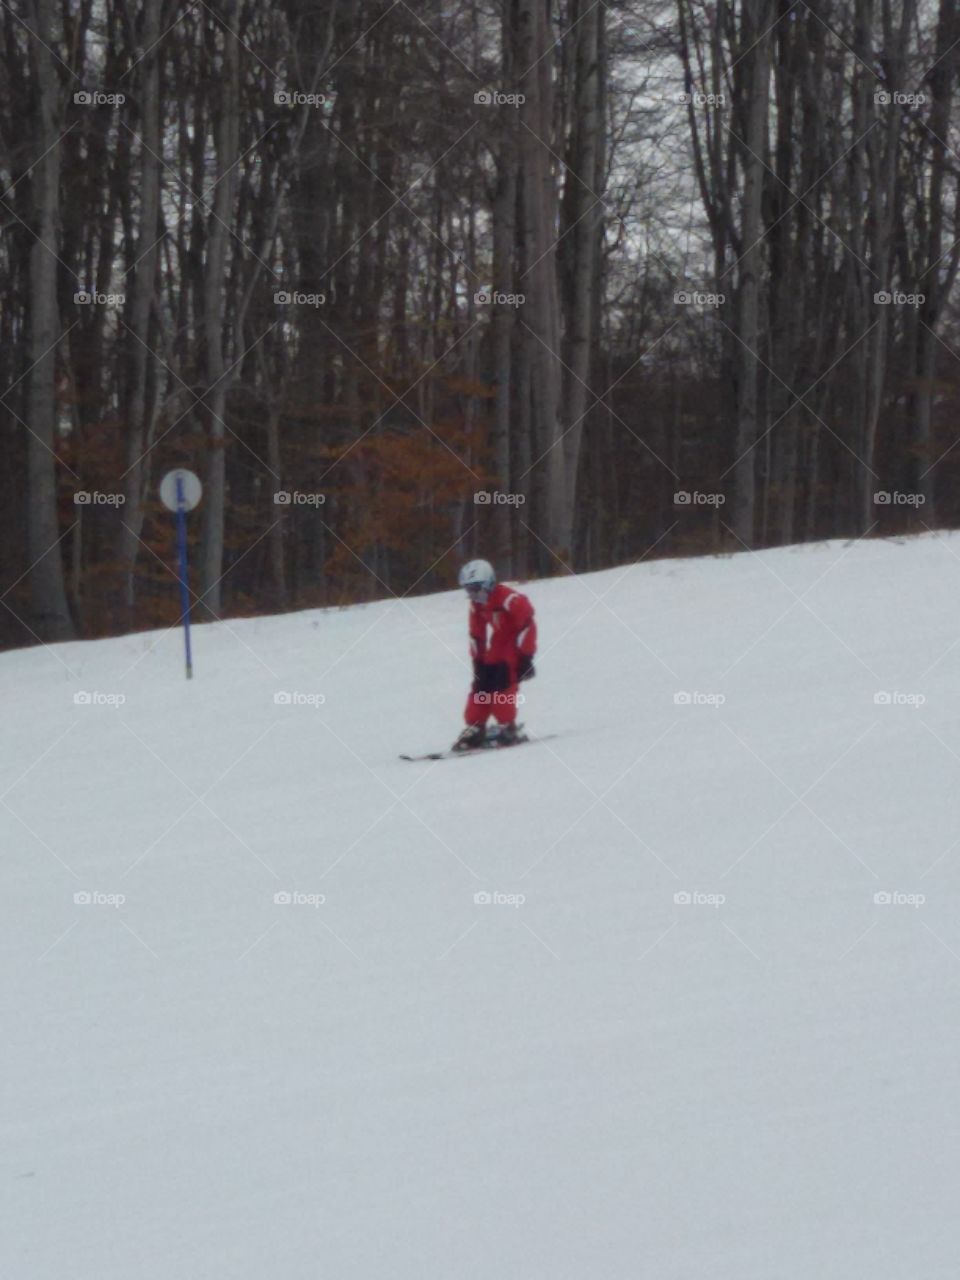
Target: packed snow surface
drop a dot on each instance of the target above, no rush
(671, 995)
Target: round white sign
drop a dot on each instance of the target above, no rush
(190, 489)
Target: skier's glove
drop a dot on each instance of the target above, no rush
(525, 668)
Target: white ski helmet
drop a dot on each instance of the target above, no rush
(478, 579)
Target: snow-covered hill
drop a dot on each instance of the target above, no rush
(684, 1038)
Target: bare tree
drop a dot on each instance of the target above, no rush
(215, 266)
(50, 611)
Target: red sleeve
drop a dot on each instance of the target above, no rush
(521, 610)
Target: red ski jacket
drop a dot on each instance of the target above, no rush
(503, 628)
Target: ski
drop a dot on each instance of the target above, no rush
(489, 745)
(450, 754)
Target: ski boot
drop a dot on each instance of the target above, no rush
(506, 735)
(472, 737)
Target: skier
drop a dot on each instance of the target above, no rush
(503, 641)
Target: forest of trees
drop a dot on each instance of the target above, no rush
(560, 282)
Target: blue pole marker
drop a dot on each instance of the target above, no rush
(180, 492)
(184, 587)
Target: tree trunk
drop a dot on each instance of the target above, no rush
(580, 243)
(139, 413)
(539, 279)
(51, 614)
(939, 269)
(504, 322)
(228, 146)
(756, 86)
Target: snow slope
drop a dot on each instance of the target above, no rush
(585, 1077)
